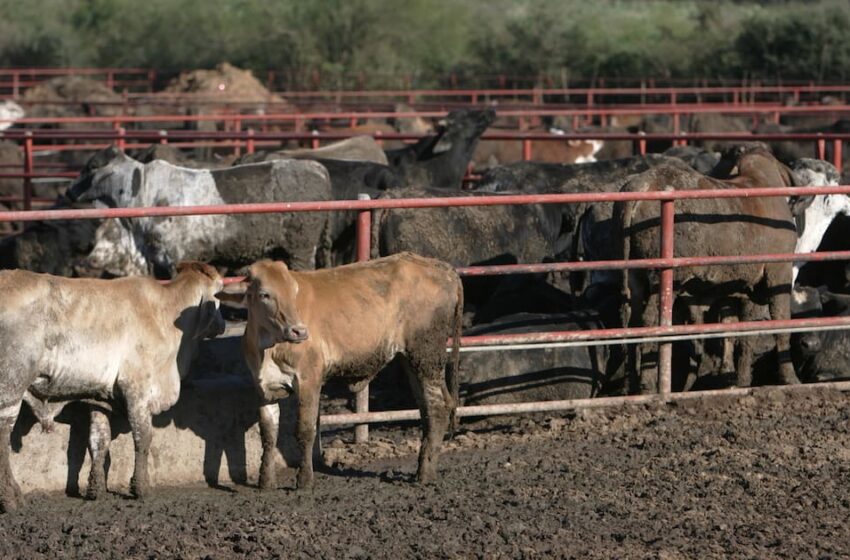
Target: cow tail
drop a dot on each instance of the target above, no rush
(375, 232)
(453, 374)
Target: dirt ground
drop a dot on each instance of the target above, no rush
(765, 476)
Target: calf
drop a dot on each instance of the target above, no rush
(307, 327)
(128, 341)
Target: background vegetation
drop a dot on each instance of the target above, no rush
(374, 42)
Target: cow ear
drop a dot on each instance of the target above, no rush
(234, 295)
(799, 204)
(198, 266)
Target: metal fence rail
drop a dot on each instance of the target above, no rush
(665, 332)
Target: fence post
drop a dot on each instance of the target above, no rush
(820, 149)
(122, 140)
(526, 149)
(314, 142)
(249, 145)
(28, 169)
(364, 234)
(665, 300)
(16, 85)
(163, 137)
(836, 154)
(237, 127)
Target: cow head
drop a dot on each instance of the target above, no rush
(461, 128)
(269, 293)
(111, 177)
(203, 320)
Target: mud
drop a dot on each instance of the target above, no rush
(763, 476)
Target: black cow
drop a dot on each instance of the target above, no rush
(530, 375)
(440, 161)
(461, 236)
(824, 356)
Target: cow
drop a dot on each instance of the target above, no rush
(711, 227)
(585, 227)
(440, 161)
(356, 148)
(349, 322)
(9, 113)
(56, 247)
(825, 355)
(114, 179)
(532, 375)
(468, 235)
(491, 153)
(126, 342)
(700, 159)
(815, 214)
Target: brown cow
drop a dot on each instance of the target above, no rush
(712, 227)
(351, 321)
(491, 153)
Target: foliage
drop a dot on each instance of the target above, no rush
(374, 42)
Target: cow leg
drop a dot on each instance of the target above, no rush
(305, 431)
(269, 427)
(744, 347)
(778, 277)
(140, 425)
(100, 435)
(10, 493)
(434, 399)
(648, 369)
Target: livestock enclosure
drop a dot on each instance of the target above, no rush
(680, 446)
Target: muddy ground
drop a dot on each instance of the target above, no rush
(751, 477)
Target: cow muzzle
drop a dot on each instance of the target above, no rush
(295, 333)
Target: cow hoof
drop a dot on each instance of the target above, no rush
(12, 503)
(304, 481)
(92, 493)
(267, 483)
(138, 491)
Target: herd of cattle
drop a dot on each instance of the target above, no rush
(126, 343)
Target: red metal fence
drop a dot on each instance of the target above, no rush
(14, 80)
(35, 141)
(665, 332)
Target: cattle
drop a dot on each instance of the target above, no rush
(585, 227)
(815, 214)
(492, 377)
(127, 341)
(491, 153)
(349, 322)
(9, 113)
(825, 355)
(440, 161)
(56, 247)
(356, 148)
(700, 159)
(468, 235)
(176, 156)
(711, 227)
(114, 179)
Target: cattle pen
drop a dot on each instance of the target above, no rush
(665, 332)
(34, 142)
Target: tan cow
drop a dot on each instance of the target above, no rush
(307, 327)
(128, 341)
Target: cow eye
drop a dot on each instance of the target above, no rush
(264, 295)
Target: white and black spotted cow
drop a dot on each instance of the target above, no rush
(117, 180)
(815, 214)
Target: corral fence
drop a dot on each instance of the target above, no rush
(37, 141)
(665, 333)
(541, 89)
